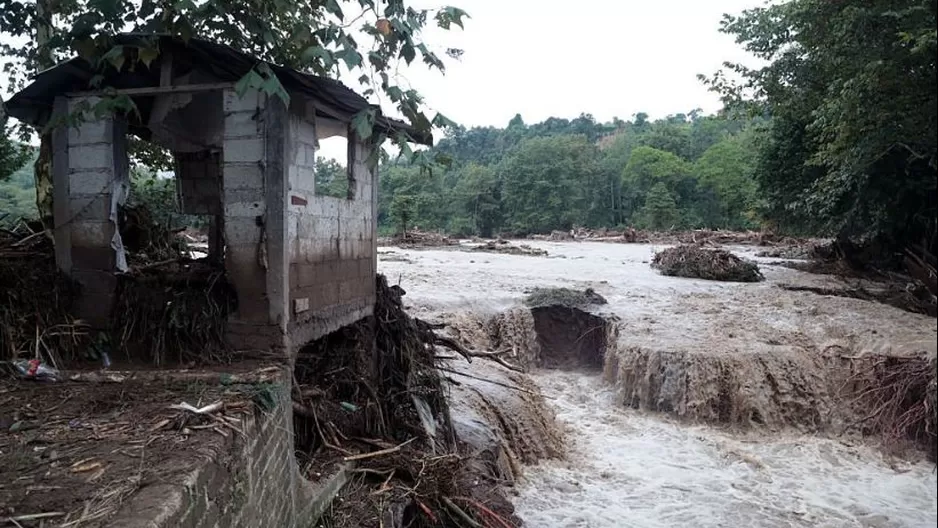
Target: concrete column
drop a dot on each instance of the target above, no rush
(254, 195)
(245, 204)
(90, 177)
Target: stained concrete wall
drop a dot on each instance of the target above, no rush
(331, 241)
(252, 480)
(244, 201)
(198, 182)
(303, 264)
(90, 178)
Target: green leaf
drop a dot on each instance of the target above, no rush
(147, 55)
(250, 80)
(351, 57)
(441, 121)
(272, 86)
(314, 53)
(394, 93)
(333, 8)
(115, 56)
(363, 123)
(450, 15)
(408, 53)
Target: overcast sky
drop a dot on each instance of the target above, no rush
(604, 57)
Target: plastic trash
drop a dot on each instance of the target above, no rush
(34, 369)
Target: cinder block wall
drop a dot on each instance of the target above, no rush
(90, 174)
(331, 241)
(248, 238)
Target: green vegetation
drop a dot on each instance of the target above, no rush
(684, 171)
(17, 190)
(852, 147)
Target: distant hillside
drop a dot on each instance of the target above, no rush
(18, 195)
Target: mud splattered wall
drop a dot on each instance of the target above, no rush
(248, 236)
(331, 241)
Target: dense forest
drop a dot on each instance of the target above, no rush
(683, 171)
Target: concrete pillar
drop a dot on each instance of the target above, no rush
(254, 194)
(244, 204)
(90, 178)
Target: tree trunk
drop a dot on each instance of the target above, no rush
(43, 165)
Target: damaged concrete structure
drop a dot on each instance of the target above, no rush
(302, 263)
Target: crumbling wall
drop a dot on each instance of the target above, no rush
(331, 241)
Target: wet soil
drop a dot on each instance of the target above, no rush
(80, 448)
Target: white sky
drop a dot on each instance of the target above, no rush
(604, 57)
(543, 58)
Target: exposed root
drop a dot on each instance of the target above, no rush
(897, 397)
(378, 384)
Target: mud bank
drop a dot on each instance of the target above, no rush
(541, 337)
(503, 417)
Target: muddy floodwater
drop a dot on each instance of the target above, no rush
(629, 468)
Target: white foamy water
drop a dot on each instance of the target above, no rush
(630, 469)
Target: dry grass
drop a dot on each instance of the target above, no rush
(709, 264)
(174, 313)
(34, 301)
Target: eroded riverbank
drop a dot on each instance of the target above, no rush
(629, 467)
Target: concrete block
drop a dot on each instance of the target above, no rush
(346, 291)
(303, 179)
(97, 258)
(242, 231)
(91, 234)
(251, 100)
(93, 207)
(243, 176)
(243, 124)
(330, 294)
(306, 275)
(243, 150)
(245, 209)
(90, 182)
(100, 131)
(303, 131)
(94, 156)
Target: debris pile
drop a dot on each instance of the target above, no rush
(895, 397)
(503, 246)
(416, 238)
(175, 312)
(35, 299)
(710, 264)
(567, 297)
(373, 394)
